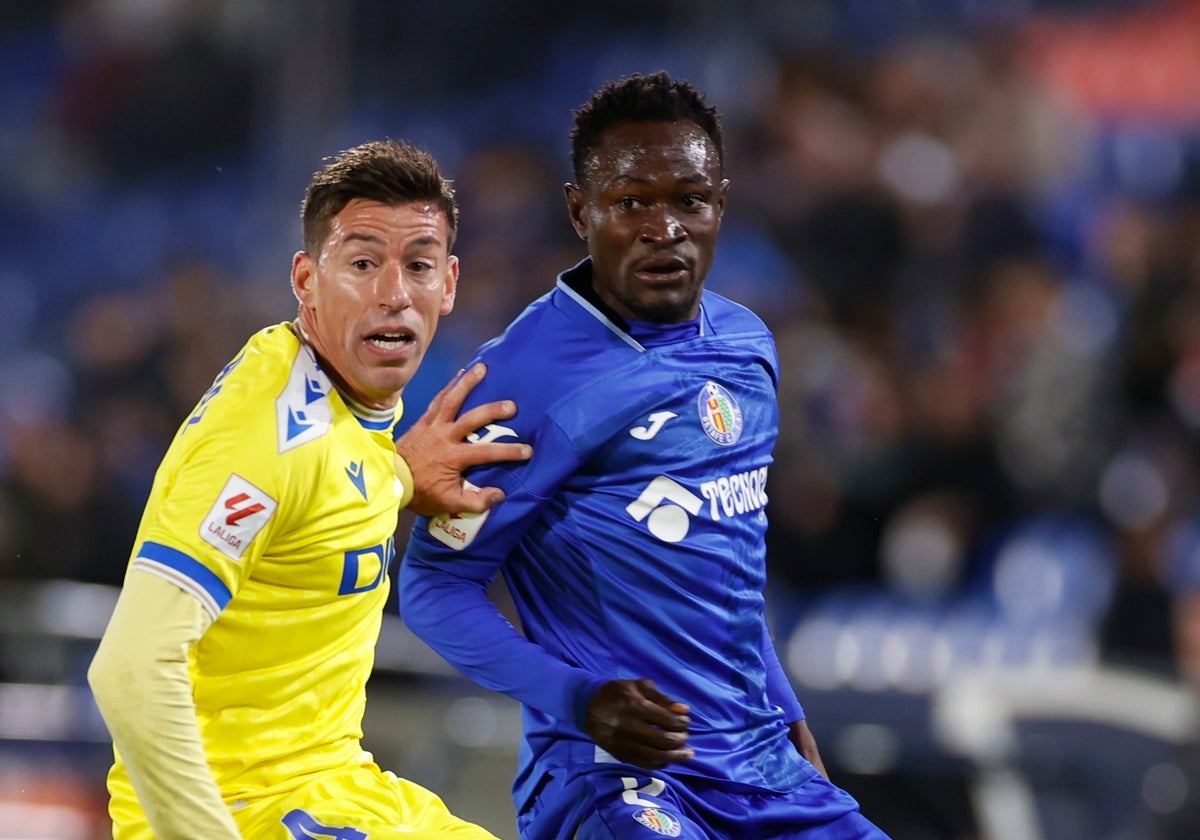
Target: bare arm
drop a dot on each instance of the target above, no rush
(435, 452)
(806, 744)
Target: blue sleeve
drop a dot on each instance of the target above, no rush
(779, 688)
(443, 593)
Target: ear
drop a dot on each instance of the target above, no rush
(576, 203)
(304, 278)
(450, 285)
(722, 193)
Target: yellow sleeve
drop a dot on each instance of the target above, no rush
(404, 473)
(140, 680)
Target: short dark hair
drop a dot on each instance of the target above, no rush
(389, 171)
(638, 98)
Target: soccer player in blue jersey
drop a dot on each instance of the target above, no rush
(653, 701)
(233, 672)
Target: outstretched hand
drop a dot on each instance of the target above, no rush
(636, 723)
(437, 453)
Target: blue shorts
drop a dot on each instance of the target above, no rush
(609, 801)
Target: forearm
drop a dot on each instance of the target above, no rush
(140, 680)
(454, 616)
(806, 744)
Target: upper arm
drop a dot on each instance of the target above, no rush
(152, 627)
(483, 541)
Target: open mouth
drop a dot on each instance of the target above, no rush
(391, 340)
(664, 267)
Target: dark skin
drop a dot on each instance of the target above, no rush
(650, 207)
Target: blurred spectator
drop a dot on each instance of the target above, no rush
(155, 87)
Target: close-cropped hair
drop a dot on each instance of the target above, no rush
(638, 98)
(388, 171)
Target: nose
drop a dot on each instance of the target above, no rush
(662, 225)
(392, 288)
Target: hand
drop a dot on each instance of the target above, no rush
(636, 723)
(806, 744)
(436, 450)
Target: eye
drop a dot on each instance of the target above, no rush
(694, 202)
(421, 266)
(629, 202)
(362, 264)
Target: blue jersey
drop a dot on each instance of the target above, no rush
(632, 542)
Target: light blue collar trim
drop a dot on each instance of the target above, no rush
(600, 316)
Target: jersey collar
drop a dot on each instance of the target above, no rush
(373, 419)
(575, 279)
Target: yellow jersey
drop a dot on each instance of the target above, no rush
(275, 506)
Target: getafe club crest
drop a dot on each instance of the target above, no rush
(659, 820)
(720, 414)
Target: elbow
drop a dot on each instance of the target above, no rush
(98, 675)
(108, 681)
(432, 601)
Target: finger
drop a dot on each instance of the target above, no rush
(661, 717)
(653, 759)
(662, 720)
(435, 405)
(481, 415)
(478, 501)
(488, 453)
(656, 737)
(650, 692)
(455, 394)
(676, 756)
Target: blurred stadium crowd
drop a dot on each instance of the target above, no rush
(973, 226)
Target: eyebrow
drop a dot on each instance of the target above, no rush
(363, 237)
(624, 180)
(421, 241)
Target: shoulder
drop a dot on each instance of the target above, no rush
(261, 366)
(542, 354)
(734, 325)
(729, 316)
(241, 403)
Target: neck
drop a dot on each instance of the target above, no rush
(353, 402)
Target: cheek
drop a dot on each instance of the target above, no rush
(431, 303)
(338, 309)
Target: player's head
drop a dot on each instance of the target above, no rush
(649, 194)
(376, 272)
(653, 98)
(387, 171)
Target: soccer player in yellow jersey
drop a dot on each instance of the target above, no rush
(233, 672)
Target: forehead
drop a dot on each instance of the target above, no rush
(378, 220)
(649, 150)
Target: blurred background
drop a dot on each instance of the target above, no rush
(973, 225)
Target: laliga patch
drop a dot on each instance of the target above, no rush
(720, 415)
(239, 513)
(457, 530)
(656, 819)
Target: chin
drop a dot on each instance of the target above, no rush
(387, 389)
(664, 311)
